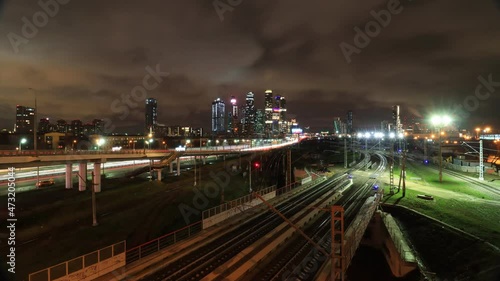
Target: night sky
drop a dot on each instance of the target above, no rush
(91, 53)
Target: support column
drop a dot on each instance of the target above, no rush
(82, 176)
(69, 173)
(204, 160)
(159, 174)
(172, 166)
(178, 166)
(97, 177)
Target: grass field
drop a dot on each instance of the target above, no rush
(458, 203)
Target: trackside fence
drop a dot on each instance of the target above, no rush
(86, 267)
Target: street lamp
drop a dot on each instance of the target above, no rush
(21, 142)
(100, 142)
(133, 144)
(440, 121)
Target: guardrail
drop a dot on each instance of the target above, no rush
(74, 152)
(234, 203)
(85, 267)
(162, 242)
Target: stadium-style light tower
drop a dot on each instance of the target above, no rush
(440, 121)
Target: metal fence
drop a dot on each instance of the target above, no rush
(235, 203)
(80, 263)
(162, 242)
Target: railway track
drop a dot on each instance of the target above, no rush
(199, 263)
(299, 259)
(472, 181)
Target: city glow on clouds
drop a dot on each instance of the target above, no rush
(427, 59)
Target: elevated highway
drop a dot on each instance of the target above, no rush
(158, 159)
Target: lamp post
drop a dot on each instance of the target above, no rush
(100, 142)
(440, 121)
(21, 142)
(249, 174)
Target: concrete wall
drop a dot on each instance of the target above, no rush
(380, 234)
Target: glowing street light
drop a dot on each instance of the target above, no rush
(21, 142)
(440, 121)
(100, 142)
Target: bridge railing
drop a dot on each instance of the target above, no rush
(234, 203)
(75, 152)
(156, 245)
(91, 265)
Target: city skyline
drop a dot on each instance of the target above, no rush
(418, 66)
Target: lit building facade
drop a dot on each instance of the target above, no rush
(268, 113)
(151, 115)
(25, 119)
(250, 115)
(218, 114)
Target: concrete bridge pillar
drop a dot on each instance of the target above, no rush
(178, 166)
(159, 174)
(204, 160)
(171, 166)
(97, 177)
(69, 174)
(82, 176)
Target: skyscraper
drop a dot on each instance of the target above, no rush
(396, 119)
(283, 123)
(259, 123)
(25, 119)
(151, 114)
(250, 115)
(350, 130)
(337, 126)
(218, 113)
(268, 114)
(232, 126)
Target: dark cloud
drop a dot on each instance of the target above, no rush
(93, 52)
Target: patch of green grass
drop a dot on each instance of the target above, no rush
(475, 217)
(429, 176)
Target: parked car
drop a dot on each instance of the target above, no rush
(45, 183)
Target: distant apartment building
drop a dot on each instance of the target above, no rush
(25, 119)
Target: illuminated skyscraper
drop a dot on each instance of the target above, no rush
(250, 115)
(268, 113)
(259, 123)
(398, 127)
(233, 115)
(350, 122)
(218, 114)
(151, 114)
(337, 126)
(25, 119)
